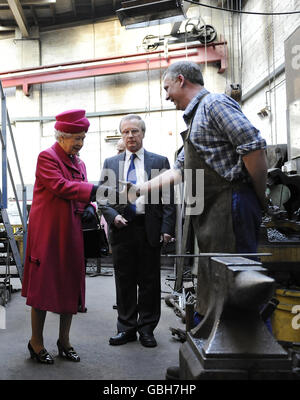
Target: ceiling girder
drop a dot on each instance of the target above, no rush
(19, 16)
(30, 2)
(215, 53)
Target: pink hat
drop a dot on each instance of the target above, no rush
(72, 121)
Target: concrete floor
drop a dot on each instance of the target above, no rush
(89, 335)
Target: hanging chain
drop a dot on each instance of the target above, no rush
(224, 46)
(269, 41)
(274, 78)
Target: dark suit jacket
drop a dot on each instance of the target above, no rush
(159, 218)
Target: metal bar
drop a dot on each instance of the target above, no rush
(12, 182)
(5, 168)
(24, 196)
(21, 214)
(4, 151)
(15, 192)
(114, 58)
(112, 65)
(31, 2)
(220, 255)
(24, 199)
(97, 114)
(14, 188)
(15, 150)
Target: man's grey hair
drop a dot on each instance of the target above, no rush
(59, 134)
(134, 116)
(190, 70)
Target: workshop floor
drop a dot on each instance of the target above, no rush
(89, 335)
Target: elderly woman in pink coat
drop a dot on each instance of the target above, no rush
(54, 271)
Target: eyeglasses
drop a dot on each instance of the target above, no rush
(134, 132)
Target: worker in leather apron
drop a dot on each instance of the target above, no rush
(230, 150)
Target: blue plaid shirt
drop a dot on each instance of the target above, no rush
(221, 134)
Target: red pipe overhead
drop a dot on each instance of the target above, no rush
(212, 53)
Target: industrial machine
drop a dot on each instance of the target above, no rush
(194, 30)
(280, 233)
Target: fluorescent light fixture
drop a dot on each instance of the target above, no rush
(143, 13)
(170, 20)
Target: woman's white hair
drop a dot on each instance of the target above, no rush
(59, 134)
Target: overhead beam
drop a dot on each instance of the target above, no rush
(37, 2)
(74, 8)
(30, 2)
(19, 16)
(34, 16)
(53, 11)
(213, 53)
(7, 28)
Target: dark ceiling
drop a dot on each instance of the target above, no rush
(49, 14)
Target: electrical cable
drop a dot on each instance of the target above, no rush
(241, 46)
(224, 47)
(231, 35)
(274, 79)
(243, 12)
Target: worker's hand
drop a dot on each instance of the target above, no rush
(120, 222)
(131, 191)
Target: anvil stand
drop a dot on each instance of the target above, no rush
(232, 341)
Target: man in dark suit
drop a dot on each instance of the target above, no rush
(136, 234)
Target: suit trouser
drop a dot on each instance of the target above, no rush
(137, 279)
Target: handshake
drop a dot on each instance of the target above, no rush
(131, 191)
(109, 195)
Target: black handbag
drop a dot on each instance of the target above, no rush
(94, 238)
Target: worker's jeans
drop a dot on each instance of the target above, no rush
(246, 219)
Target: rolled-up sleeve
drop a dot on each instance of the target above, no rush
(252, 146)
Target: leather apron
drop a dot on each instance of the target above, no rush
(213, 227)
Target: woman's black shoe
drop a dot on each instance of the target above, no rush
(70, 353)
(42, 357)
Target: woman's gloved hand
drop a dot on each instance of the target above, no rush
(93, 193)
(88, 214)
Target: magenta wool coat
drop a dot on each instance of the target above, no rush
(54, 270)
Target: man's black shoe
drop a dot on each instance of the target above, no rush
(147, 340)
(172, 373)
(122, 338)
